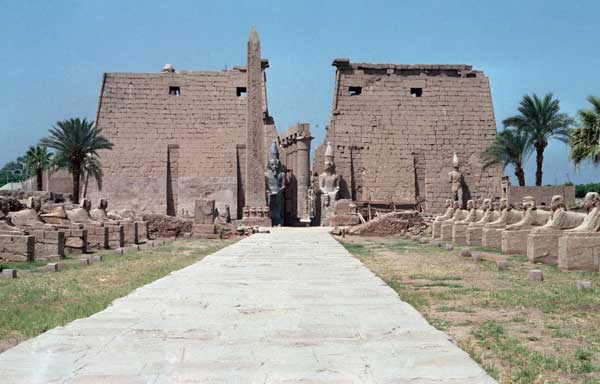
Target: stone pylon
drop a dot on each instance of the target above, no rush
(255, 211)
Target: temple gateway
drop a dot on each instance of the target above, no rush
(399, 136)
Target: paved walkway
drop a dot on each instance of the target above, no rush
(287, 307)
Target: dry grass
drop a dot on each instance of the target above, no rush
(39, 300)
(520, 331)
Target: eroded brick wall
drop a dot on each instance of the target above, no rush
(394, 129)
(200, 128)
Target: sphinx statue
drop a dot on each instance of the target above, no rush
(455, 178)
(591, 222)
(508, 215)
(30, 216)
(514, 237)
(329, 185)
(275, 184)
(533, 216)
(459, 231)
(6, 225)
(81, 215)
(100, 213)
(577, 247)
(448, 213)
(543, 242)
(448, 225)
(560, 218)
(475, 229)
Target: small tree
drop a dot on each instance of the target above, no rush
(585, 140)
(37, 160)
(510, 147)
(76, 139)
(540, 120)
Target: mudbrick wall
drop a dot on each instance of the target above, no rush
(177, 138)
(394, 129)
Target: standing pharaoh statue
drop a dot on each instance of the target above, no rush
(275, 184)
(455, 179)
(329, 185)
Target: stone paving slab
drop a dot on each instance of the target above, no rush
(292, 306)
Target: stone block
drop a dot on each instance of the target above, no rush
(459, 233)
(542, 247)
(492, 238)
(97, 258)
(515, 242)
(142, 230)
(203, 229)
(97, 237)
(584, 285)
(344, 220)
(466, 252)
(503, 265)
(130, 233)
(447, 231)
(449, 247)
(84, 261)
(436, 230)
(474, 235)
(536, 275)
(9, 274)
(52, 267)
(204, 211)
(476, 256)
(17, 248)
(579, 251)
(119, 251)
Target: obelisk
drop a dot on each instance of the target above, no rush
(255, 211)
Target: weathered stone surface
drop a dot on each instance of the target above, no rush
(17, 248)
(503, 265)
(579, 251)
(167, 226)
(52, 267)
(536, 275)
(390, 143)
(474, 235)
(584, 285)
(476, 256)
(492, 237)
(515, 242)
(204, 211)
(8, 273)
(97, 258)
(466, 252)
(389, 224)
(282, 305)
(459, 233)
(84, 261)
(542, 247)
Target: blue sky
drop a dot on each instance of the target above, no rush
(52, 54)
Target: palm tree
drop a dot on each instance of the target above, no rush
(585, 140)
(541, 120)
(37, 160)
(510, 147)
(76, 139)
(91, 167)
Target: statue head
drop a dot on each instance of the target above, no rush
(273, 163)
(456, 204)
(34, 203)
(529, 203)
(448, 203)
(487, 204)
(591, 200)
(503, 203)
(557, 202)
(103, 204)
(86, 204)
(495, 205)
(470, 204)
(455, 162)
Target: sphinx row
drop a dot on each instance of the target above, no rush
(569, 239)
(29, 235)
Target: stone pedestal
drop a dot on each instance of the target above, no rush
(474, 235)
(542, 247)
(515, 242)
(97, 236)
(49, 244)
(579, 251)
(447, 231)
(130, 232)
(17, 248)
(492, 237)
(459, 233)
(256, 216)
(436, 229)
(343, 220)
(205, 231)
